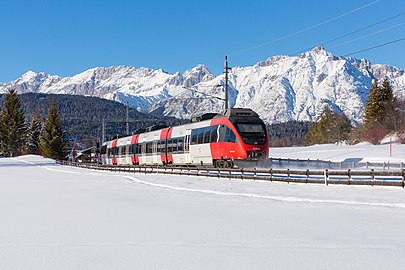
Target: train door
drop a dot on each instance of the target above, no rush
(143, 152)
(155, 154)
(187, 158)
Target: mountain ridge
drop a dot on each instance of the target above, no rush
(280, 88)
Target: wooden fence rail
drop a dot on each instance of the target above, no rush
(337, 177)
(335, 165)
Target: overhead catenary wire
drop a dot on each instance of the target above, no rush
(368, 35)
(351, 33)
(377, 46)
(305, 29)
(345, 55)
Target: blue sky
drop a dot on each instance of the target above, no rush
(68, 37)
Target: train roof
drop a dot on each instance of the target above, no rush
(233, 113)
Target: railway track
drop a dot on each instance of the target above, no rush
(334, 177)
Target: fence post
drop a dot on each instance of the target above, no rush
(349, 176)
(403, 178)
(229, 174)
(372, 177)
(271, 174)
(366, 164)
(241, 170)
(288, 176)
(307, 174)
(219, 174)
(254, 173)
(326, 175)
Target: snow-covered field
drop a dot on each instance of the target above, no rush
(360, 153)
(56, 217)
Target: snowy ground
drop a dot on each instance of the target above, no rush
(56, 217)
(358, 153)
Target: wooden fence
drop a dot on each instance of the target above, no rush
(338, 177)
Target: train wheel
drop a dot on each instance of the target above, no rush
(229, 164)
(221, 163)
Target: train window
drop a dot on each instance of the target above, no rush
(180, 145)
(229, 135)
(207, 135)
(200, 137)
(129, 149)
(148, 147)
(214, 134)
(194, 135)
(174, 145)
(137, 148)
(143, 148)
(169, 146)
(160, 147)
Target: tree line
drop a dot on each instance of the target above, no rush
(19, 137)
(79, 117)
(384, 115)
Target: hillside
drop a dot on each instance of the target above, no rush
(82, 117)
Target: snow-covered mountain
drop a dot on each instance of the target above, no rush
(281, 88)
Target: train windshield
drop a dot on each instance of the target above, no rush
(252, 133)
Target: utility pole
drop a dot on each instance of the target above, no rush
(103, 131)
(127, 121)
(226, 82)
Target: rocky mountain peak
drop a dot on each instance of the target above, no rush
(279, 89)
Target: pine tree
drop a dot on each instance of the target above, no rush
(34, 134)
(52, 142)
(374, 106)
(381, 108)
(12, 125)
(391, 117)
(330, 128)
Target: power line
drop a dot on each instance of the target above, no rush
(305, 29)
(368, 35)
(208, 95)
(346, 55)
(351, 33)
(380, 45)
(361, 29)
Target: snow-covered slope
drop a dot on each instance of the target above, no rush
(59, 217)
(281, 88)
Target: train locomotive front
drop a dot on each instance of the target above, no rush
(210, 140)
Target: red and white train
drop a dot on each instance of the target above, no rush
(216, 139)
